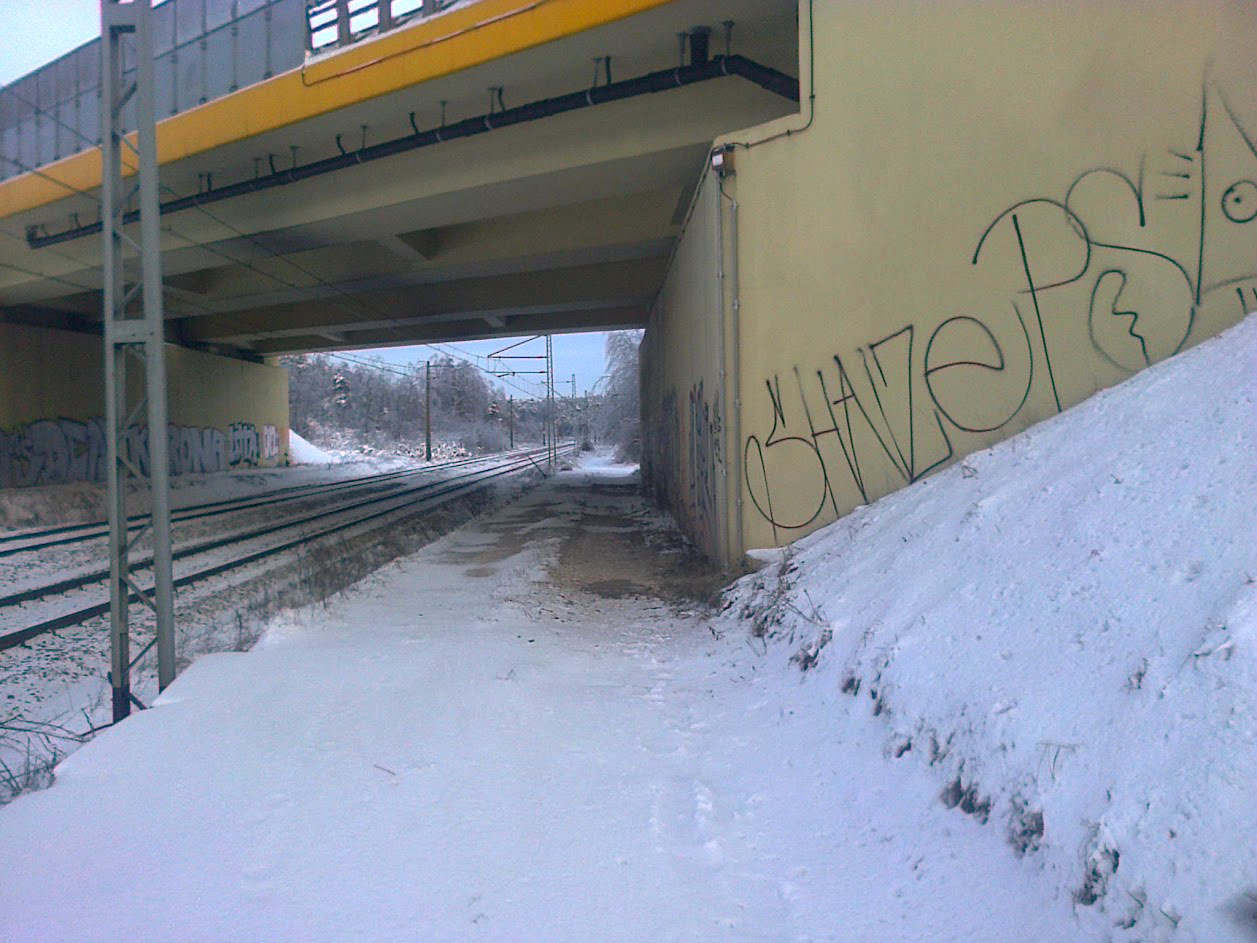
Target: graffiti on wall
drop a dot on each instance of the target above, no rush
(270, 443)
(1134, 260)
(705, 458)
(838, 420)
(54, 451)
(665, 446)
(692, 451)
(244, 448)
(192, 450)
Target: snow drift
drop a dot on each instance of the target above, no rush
(303, 452)
(1064, 628)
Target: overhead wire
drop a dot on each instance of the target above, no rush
(362, 307)
(190, 241)
(387, 369)
(78, 263)
(441, 348)
(472, 359)
(37, 274)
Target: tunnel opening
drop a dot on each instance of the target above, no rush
(352, 215)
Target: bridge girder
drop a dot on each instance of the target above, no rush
(562, 223)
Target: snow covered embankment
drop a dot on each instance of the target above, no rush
(1065, 628)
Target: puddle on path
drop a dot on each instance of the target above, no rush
(613, 545)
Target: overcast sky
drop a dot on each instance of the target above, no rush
(39, 31)
(35, 32)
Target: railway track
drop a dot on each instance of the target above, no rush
(29, 539)
(370, 499)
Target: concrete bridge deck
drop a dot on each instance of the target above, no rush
(346, 203)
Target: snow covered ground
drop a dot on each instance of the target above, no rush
(82, 501)
(1012, 702)
(54, 687)
(1064, 630)
(77, 502)
(336, 446)
(480, 744)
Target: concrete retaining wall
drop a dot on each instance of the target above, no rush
(683, 409)
(997, 209)
(224, 413)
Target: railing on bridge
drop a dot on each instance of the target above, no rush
(333, 23)
(203, 49)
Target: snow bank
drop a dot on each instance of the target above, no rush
(1064, 627)
(603, 466)
(488, 742)
(303, 453)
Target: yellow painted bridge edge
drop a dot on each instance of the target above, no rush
(426, 50)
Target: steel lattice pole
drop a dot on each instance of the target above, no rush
(142, 336)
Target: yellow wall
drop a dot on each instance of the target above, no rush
(223, 413)
(684, 445)
(996, 211)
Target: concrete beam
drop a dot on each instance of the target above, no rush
(550, 290)
(498, 318)
(610, 319)
(333, 288)
(468, 38)
(414, 247)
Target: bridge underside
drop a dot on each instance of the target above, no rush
(562, 221)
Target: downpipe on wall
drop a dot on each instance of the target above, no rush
(734, 425)
(726, 551)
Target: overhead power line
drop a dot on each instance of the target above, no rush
(360, 306)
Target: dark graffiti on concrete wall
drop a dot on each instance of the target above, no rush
(688, 455)
(665, 450)
(841, 421)
(53, 451)
(1132, 261)
(192, 450)
(705, 459)
(245, 448)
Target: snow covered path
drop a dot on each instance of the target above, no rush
(495, 740)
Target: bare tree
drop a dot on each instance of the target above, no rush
(621, 413)
(382, 405)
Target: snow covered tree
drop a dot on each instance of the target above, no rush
(621, 411)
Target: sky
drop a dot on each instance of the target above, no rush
(35, 33)
(581, 355)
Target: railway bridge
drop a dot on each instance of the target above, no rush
(864, 239)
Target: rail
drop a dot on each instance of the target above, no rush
(30, 539)
(405, 501)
